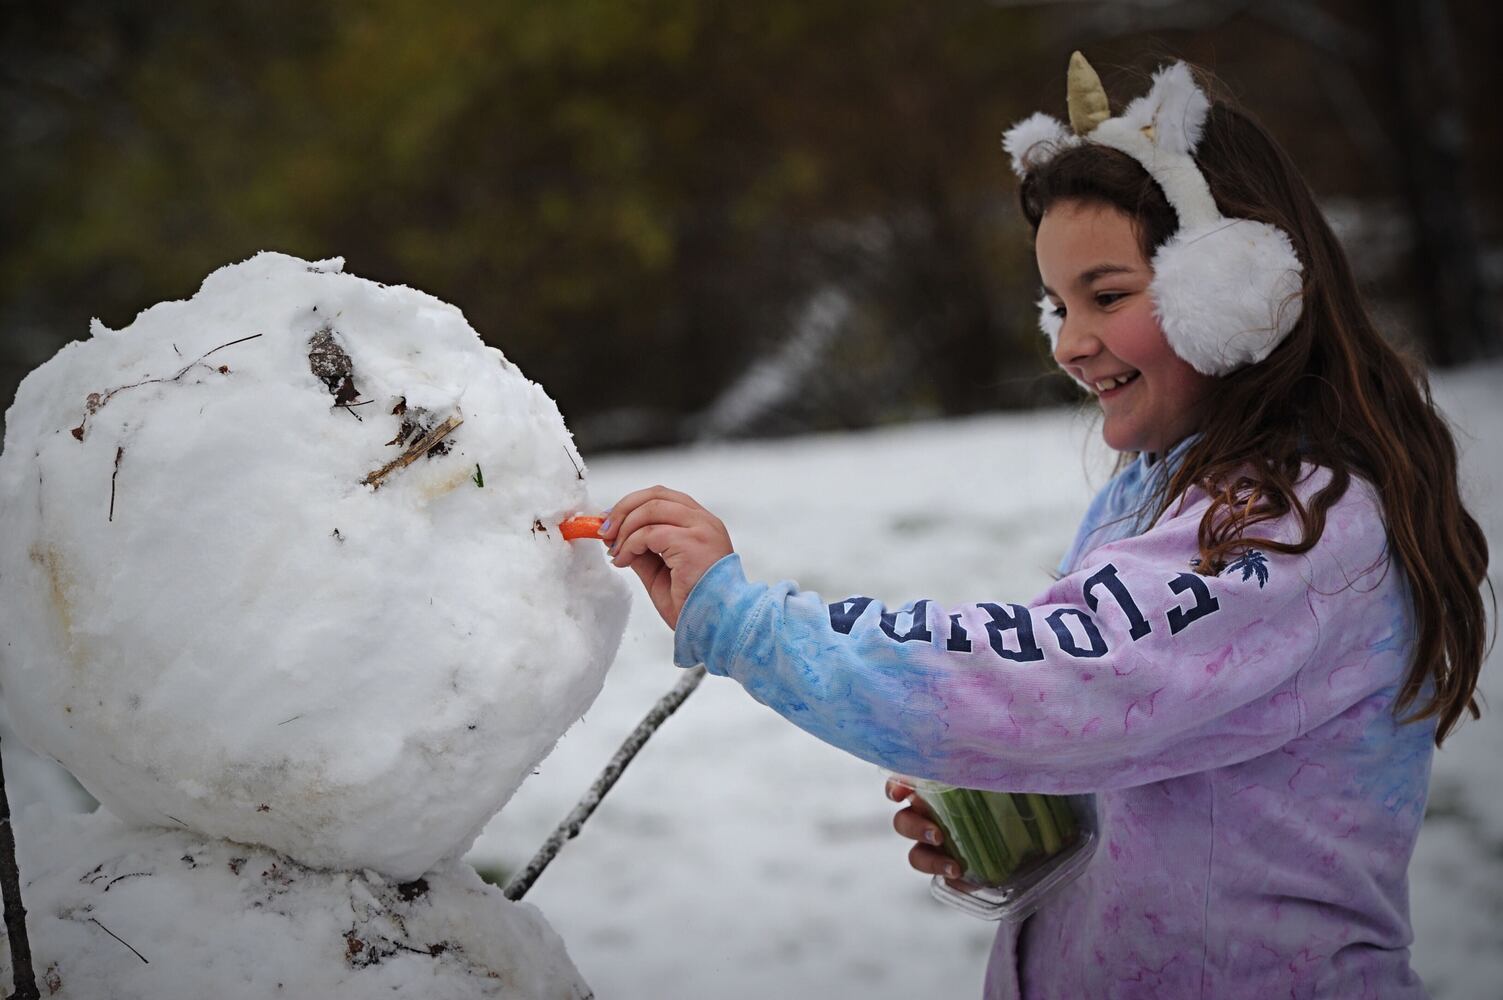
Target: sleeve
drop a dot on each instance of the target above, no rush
(1133, 669)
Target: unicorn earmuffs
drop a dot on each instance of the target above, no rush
(1226, 291)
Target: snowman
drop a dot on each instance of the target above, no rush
(282, 584)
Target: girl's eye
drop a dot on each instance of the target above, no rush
(1105, 299)
(1058, 312)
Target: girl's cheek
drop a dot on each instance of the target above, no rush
(1143, 339)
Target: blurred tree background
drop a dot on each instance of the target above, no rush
(694, 218)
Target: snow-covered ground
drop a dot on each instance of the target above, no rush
(739, 857)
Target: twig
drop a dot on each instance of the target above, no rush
(578, 472)
(96, 400)
(219, 348)
(350, 407)
(119, 452)
(414, 451)
(117, 878)
(15, 912)
(570, 827)
(117, 937)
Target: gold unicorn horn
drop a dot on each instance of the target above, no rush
(1086, 97)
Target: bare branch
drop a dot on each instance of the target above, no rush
(15, 912)
(570, 827)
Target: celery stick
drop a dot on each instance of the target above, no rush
(1049, 837)
(994, 835)
(1064, 817)
(957, 837)
(976, 842)
(942, 814)
(942, 805)
(1006, 856)
(969, 843)
(1024, 805)
(995, 868)
(1014, 833)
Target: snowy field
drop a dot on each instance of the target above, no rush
(740, 858)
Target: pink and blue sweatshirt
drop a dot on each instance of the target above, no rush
(1258, 800)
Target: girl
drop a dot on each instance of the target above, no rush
(1269, 618)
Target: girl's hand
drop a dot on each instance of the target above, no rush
(916, 823)
(669, 540)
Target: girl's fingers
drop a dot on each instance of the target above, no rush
(933, 861)
(898, 790)
(623, 507)
(915, 825)
(647, 571)
(669, 540)
(656, 510)
(658, 583)
(652, 539)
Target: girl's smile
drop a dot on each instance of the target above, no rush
(1110, 340)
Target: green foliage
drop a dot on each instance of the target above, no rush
(627, 198)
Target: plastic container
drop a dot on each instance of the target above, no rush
(1015, 848)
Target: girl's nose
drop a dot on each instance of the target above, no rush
(1075, 343)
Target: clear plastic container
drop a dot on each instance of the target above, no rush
(1015, 848)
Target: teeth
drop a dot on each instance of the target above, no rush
(1111, 383)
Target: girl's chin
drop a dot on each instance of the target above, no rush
(1121, 437)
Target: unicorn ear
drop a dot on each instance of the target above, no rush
(1035, 140)
(1173, 112)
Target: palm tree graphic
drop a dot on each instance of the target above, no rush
(1250, 562)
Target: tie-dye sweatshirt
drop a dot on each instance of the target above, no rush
(1259, 802)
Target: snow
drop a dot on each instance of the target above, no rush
(235, 606)
(121, 912)
(216, 623)
(740, 858)
(30, 778)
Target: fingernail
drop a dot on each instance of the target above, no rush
(932, 836)
(605, 526)
(953, 871)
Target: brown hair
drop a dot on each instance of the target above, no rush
(1334, 394)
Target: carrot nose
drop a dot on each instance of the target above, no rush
(581, 526)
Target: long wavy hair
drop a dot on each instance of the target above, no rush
(1334, 394)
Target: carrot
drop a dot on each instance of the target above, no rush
(581, 526)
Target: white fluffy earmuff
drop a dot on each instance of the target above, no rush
(1226, 291)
